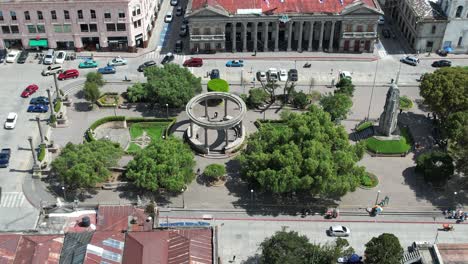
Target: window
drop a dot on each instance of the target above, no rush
(110, 27)
(66, 14)
(40, 29)
(93, 13)
(359, 28)
(39, 15)
(121, 14)
(32, 29)
(53, 14)
(137, 23)
(433, 30)
(80, 14)
(58, 29)
(370, 28)
(14, 29)
(67, 28)
(459, 11)
(207, 46)
(460, 40)
(6, 29)
(26, 15)
(429, 45)
(134, 11)
(196, 31)
(92, 27)
(219, 46)
(219, 31)
(107, 15)
(13, 15)
(84, 28)
(138, 10)
(207, 31)
(349, 28)
(121, 27)
(1, 16)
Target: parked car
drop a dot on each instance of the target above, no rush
(174, 2)
(51, 70)
(38, 108)
(353, 259)
(183, 30)
(339, 231)
(283, 75)
(386, 33)
(410, 60)
(272, 75)
(60, 58)
(23, 57)
(68, 74)
(179, 11)
(167, 58)
(193, 62)
(145, 65)
(214, 74)
(5, 154)
(40, 100)
(89, 63)
(32, 88)
(107, 70)
(10, 121)
(292, 75)
(49, 57)
(261, 76)
(345, 75)
(2, 55)
(168, 17)
(12, 55)
(442, 63)
(235, 63)
(117, 61)
(179, 46)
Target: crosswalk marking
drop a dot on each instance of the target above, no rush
(156, 56)
(382, 53)
(12, 199)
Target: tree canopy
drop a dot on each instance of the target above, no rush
(436, 166)
(384, 249)
(446, 90)
(257, 97)
(459, 152)
(91, 92)
(345, 86)
(336, 105)
(85, 165)
(309, 153)
(291, 248)
(171, 84)
(215, 171)
(164, 164)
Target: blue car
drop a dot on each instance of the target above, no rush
(107, 70)
(38, 108)
(235, 63)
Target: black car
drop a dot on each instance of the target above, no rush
(185, 21)
(41, 100)
(168, 58)
(145, 65)
(2, 55)
(386, 33)
(178, 46)
(292, 75)
(22, 57)
(183, 30)
(179, 11)
(214, 74)
(442, 63)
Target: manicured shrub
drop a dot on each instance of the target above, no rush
(214, 171)
(405, 103)
(42, 152)
(57, 106)
(218, 85)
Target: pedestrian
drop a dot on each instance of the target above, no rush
(401, 110)
(392, 80)
(196, 136)
(215, 114)
(234, 258)
(198, 171)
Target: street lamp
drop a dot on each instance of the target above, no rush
(372, 91)
(183, 198)
(167, 111)
(251, 194)
(64, 195)
(377, 198)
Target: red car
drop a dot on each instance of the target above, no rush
(193, 62)
(68, 74)
(29, 90)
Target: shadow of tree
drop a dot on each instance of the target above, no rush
(82, 107)
(255, 259)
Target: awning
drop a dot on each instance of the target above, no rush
(38, 43)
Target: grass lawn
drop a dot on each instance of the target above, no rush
(153, 129)
(363, 126)
(390, 146)
(369, 180)
(133, 148)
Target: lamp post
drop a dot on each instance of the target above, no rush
(372, 91)
(183, 198)
(167, 111)
(377, 198)
(251, 194)
(64, 194)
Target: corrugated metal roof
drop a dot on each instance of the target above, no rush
(74, 247)
(101, 239)
(116, 218)
(453, 253)
(426, 9)
(39, 249)
(8, 247)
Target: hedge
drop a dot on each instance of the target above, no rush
(405, 103)
(42, 152)
(57, 106)
(102, 103)
(217, 85)
(258, 123)
(89, 134)
(214, 171)
(363, 126)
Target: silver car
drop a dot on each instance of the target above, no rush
(339, 231)
(410, 60)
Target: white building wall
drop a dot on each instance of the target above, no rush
(456, 34)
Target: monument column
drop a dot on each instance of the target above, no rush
(244, 37)
(299, 42)
(206, 109)
(311, 35)
(265, 37)
(227, 136)
(289, 35)
(225, 107)
(191, 129)
(322, 27)
(206, 140)
(233, 36)
(332, 35)
(255, 24)
(276, 36)
(240, 129)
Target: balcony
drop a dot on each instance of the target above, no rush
(349, 35)
(219, 37)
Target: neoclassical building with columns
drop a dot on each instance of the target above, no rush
(283, 25)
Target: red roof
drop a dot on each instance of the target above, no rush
(453, 253)
(112, 241)
(73, 223)
(8, 246)
(39, 249)
(277, 7)
(169, 246)
(116, 218)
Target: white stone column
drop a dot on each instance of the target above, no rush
(276, 36)
(255, 24)
(299, 41)
(332, 34)
(244, 37)
(311, 35)
(265, 36)
(233, 37)
(289, 35)
(322, 27)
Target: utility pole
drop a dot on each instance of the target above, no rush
(373, 87)
(38, 120)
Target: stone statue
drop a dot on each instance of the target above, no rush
(388, 119)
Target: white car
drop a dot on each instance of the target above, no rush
(168, 17)
(272, 74)
(261, 76)
(12, 55)
(339, 231)
(10, 122)
(60, 58)
(345, 75)
(117, 61)
(283, 75)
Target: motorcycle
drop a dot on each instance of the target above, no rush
(447, 227)
(307, 65)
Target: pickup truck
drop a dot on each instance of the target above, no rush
(5, 157)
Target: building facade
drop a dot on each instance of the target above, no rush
(456, 33)
(422, 22)
(283, 25)
(79, 24)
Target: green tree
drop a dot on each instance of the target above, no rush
(257, 97)
(215, 171)
(384, 249)
(345, 86)
(337, 105)
(436, 166)
(91, 92)
(459, 152)
(310, 153)
(270, 87)
(446, 91)
(300, 100)
(85, 165)
(95, 77)
(172, 84)
(455, 125)
(137, 92)
(164, 164)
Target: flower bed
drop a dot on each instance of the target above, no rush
(109, 100)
